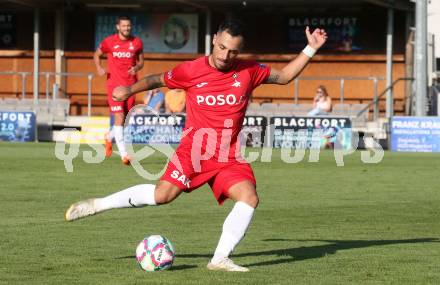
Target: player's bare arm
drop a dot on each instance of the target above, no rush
(97, 59)
(139, 64)
(294, 68)
(153, 81)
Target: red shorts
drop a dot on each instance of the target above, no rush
(116, 106)
(219, 175)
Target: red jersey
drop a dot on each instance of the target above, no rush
(216, 99)
(121, 56)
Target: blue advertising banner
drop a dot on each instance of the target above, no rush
(415, 134)
(311, 132)
(17, 126)
(289, 132)
(254, 129)
(155, 129)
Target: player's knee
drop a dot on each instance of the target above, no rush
(244, 192)
(119, 119)
(165, 195)
(252, 201)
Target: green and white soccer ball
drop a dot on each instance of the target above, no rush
(155, 253)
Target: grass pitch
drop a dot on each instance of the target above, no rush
(316, 224)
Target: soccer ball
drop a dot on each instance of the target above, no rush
(155, 253)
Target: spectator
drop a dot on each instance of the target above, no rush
(154, 99)
(322, 103)
(175, 100)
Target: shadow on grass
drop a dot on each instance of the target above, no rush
(173, 268)
(182, 267)
(309, 252)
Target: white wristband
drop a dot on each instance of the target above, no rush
(309, 51)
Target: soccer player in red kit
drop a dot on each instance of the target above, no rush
(218, 88)
(125, 59)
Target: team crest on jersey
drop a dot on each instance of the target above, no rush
(131, 47)
(116, 47)
(236, 82)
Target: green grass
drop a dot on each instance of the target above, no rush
(316, 224)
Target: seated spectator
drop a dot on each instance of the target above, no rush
(154, 99)
(175, 100)
(322, 103)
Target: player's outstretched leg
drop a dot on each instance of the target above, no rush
(133, 197)
(235, 226)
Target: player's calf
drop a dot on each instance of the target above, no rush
(166, 192)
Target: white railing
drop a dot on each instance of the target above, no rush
(89, 76)
(342, 80)
(48, 76)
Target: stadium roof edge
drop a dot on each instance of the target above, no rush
(201, 4)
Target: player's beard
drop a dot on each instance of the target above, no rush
(223, 65)
(220, 64)
(125, 34)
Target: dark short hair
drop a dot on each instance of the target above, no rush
(122, 18)
(232, 26)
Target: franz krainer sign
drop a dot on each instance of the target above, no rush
(415, 134)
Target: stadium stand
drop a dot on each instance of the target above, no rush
(9, 103)
(47, 111)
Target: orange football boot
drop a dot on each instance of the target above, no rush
(126, 160)
(108, 148)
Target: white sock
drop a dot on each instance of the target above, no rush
(234, 228)
(119, 138)
(110, 135)
(136, 196)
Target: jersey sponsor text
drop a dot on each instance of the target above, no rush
(219, 100)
